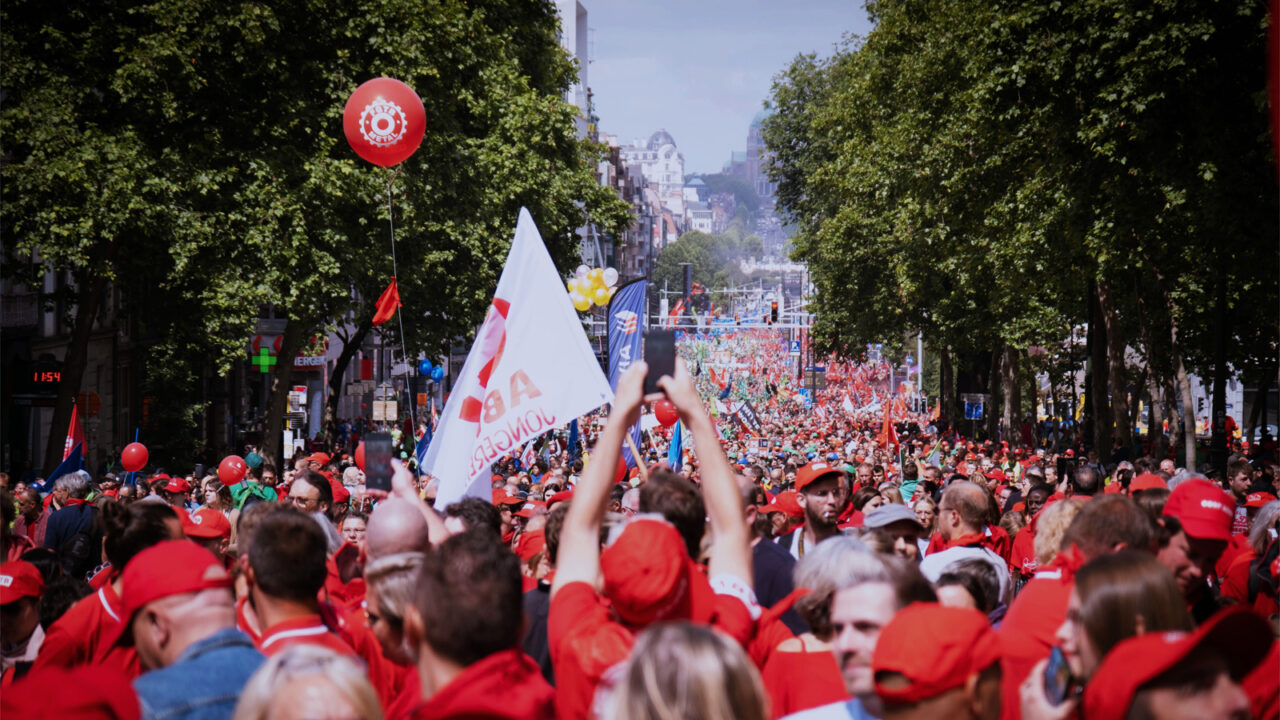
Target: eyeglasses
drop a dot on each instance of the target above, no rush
(302, 503)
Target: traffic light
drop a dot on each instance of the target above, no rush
(773, 310)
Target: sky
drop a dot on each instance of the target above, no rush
(702, 69)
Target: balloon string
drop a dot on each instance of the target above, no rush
(404, 345)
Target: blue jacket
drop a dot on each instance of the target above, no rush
(204, 683)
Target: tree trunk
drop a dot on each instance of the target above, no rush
(1011, 418)
(1221, 331)
(1095, 381)
(992, 411)
(277, 402)
(947, 384)
(1116, 380)
(350, 346)
(1188, 410)
(1155, 431)
(88, 301)
(1257, 414)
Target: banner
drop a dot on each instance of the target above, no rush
(626, 314)
(530, 370)
(748, 418)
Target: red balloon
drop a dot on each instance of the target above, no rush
(384, 121)
(360, 456)
(231, 470)
(665, 411)
(134, 457)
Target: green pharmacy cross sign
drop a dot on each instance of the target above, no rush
(264, 360)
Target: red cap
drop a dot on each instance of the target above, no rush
(101, 692)
(530, 543)
(19, 579)
(178, 485)
(786, 503)
(562, 496)
(319, 457)
(1204, 509)
(1258, 499)
(528, 509)
(996, 474)
(1147, 481)
(813, 472)
(504, 497)
(936, 648)
(497, 478)
(648, 575)
(206, 523)
(1240, 636)
(340, 492)
(169, 568)
(1070, 453)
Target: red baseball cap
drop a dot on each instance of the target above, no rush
(319, 457)
(1147, 481)
(527, 510)
(936, 648)
(1242, 638)
(786, 503)
(206, 523)
(169, 568)
(101, 692)
(530, 543)
(177, 484)
(1204, 509)
(501, 497)
(1258, 499)
(19, 579)
(562, 496)
(649, 577)
(813, 472)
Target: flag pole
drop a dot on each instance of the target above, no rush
(404, 345)
(631, 444)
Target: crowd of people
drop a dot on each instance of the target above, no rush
(824, 565)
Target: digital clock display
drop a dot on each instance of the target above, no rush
(45, 377)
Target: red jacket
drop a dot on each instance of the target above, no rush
(507, 684)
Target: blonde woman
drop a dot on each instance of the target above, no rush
(681, 670)
(308, 681)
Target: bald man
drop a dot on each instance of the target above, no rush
(961, 519)
(395, 526)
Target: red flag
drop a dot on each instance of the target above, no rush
(888, 435)
(75, 434)
(387, 304)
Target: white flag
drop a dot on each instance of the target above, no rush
(847, 406)
(530, 370)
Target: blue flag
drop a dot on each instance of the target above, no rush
(420, 452)
(574, 451)
(626, 323)
(69, 464)
(675, 454)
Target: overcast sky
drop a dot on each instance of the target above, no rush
(701, 69)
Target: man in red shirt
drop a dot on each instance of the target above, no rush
(648, 575)
(287, 555)
(1194, 532)
(466, 626)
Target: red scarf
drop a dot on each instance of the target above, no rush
(980, 539)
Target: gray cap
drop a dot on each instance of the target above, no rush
(888, 514)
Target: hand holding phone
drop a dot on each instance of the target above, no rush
(377, 461)
(1059, 683)
(660, 355)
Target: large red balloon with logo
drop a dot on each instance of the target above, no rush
(232, 470)
(134, 457)
(384, 121)
(360, 456)
(665, 412)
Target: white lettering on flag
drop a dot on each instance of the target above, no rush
(530, 370)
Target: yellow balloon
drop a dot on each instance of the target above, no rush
(596, 276)
(573, 285)
(581, 302)
(601, 296)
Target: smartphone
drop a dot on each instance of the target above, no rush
(1059, 684)
(377, 461)
(660, 356)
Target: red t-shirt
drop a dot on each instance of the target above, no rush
(507, 684)
(1027, 632)
(798, 681)
(305, 630)
(79, 636)
(586, 641)
(1022, 558)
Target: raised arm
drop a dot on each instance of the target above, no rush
(578, 559)
(403, 486)
(731, 548)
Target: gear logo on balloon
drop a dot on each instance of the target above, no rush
(382, 123)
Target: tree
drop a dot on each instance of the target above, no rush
(203, 143)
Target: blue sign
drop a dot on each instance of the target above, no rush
(795, 347)
(973, 410)
(626, 321)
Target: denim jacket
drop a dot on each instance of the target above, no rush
(204, 683)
